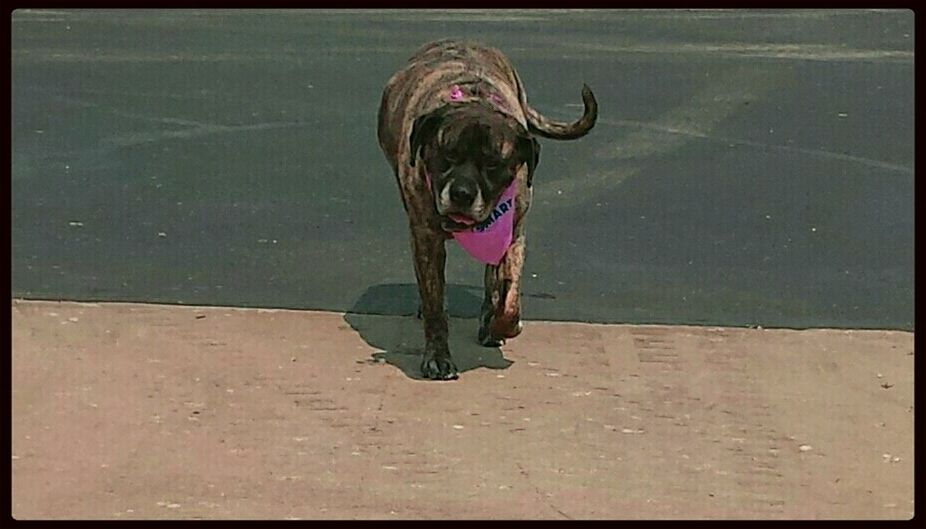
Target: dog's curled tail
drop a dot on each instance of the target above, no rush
(558, 130)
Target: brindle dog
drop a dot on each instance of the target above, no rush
(455, 126)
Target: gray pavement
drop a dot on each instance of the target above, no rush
(748, 168)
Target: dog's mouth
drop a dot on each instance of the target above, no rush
(461, 219)
(453, 219)
(456, 222)
(458, 219)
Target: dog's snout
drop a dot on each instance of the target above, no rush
(463, 193)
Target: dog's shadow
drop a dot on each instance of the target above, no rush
(384, 316)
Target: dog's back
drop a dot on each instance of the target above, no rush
(421, 87)
(417, 88)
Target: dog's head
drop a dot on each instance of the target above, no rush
(472, 153)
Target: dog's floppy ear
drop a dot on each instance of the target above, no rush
(529, 151)
(423, 129)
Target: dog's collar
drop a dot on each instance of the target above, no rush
(473, 92)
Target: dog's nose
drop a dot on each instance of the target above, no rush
(462, 193)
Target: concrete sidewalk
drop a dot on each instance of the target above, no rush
(144, 411)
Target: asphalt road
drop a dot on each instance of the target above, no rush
(748, 167)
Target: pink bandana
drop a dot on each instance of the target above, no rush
(489, 240)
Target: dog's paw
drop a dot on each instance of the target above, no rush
(486, 339)
(505, 327)
(439, 368)
(516, 330)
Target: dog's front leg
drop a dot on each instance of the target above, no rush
(430, 256)
(501, 308)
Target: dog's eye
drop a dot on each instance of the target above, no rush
(443, 163)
